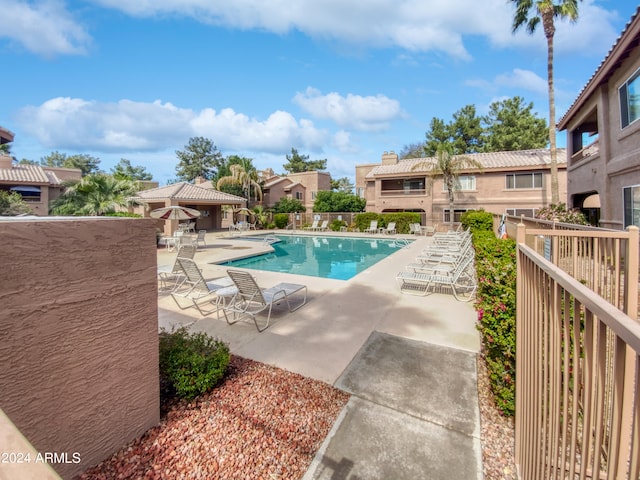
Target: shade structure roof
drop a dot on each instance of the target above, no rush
(187, 192)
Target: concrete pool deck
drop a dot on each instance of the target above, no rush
(418, 351)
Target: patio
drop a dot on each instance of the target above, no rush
(424, 394)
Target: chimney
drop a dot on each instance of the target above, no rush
(6, 161)
(389, 158)
(199, 180)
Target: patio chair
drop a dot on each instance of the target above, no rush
(391, 228)
(172, 274)
(373, 227)
(415, 229)
(314, 225)
(250, 300)
(201, 237)
(461, 281)
(324, 226)
(195, 288)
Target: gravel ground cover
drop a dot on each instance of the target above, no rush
(263, 422)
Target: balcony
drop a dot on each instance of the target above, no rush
(403, 192)
(590, 150)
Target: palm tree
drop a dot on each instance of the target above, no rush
(240, 176)
(449, 167)
(547, 11)
(95, 195)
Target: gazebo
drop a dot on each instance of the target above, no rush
(207, 201)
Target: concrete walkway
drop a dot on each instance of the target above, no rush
(408, 362)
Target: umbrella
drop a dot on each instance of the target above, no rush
(175, 212)
(243, 211)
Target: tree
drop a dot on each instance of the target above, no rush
(338, 202)
(240, 177)
(288, 205)
(449, 167)
(464, 134)
(342, 185)
(95, 194)
(125, 171)
(413, 150)
(546, 11)
(12, 203)
(200, 158)
(297, 163)
(86, 163)
(510, 125)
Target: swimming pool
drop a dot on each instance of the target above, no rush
(339, 258)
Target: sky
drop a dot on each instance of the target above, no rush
(336, 80)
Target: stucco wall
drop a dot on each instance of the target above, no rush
(79, 334)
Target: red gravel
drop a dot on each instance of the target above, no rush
(263, 422)
(260, 423)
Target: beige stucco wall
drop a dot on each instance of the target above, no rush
(79, 334)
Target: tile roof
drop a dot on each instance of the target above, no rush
(186, 191)
(492, 160)
(275, 180)
(25, 174)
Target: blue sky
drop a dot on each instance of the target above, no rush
(339, 80)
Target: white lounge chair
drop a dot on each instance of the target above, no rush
(195, 288)
(324, 226)
(373, 227)
(250, 299)
(201, 237)
(170, 275)
(314, 225)
(415, 229)
(461, 281)
(391, 228)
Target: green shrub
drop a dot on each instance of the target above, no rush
(123, 214)
(281, 220)
(477, 220)
(496, 307)
(191, 363)
(336, 225)
(560, 213)
(402, 219)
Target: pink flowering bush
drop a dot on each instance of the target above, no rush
(496, 307)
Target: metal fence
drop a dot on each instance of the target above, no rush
(578, 353)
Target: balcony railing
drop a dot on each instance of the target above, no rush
(578, 355)
(588, 151)
(408, 191)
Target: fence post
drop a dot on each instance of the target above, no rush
(520, 239)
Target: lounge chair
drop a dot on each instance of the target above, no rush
(195, 288)
(373, 227)
(314, 225)
(461, 281)
(415, 229)
(391, 228)
(201, 237)
(324, 226)
(250, 299)
(172, 274)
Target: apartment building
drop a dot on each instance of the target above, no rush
(516, 183)
(302, 186)
(603, 137)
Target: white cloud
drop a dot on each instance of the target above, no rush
(48, 27)
(524, 80)
(45, 28)
(371, 113)
(127, 126)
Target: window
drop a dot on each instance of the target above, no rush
(524, 180)
(298, 195)
(360, 192)
(629, 94)
(457, 212)
(314, 195)
(465, 183)
(29, 193)
(631, 202)
(518, 212)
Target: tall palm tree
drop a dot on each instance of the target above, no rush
(95, 195)
(530, 13)
(240, 176)
(449, 168)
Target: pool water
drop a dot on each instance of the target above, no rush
(339, 258)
